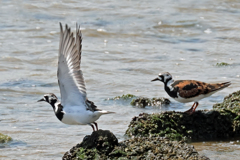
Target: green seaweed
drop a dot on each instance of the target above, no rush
(123, 97)
(230, 103)
(154, 147)
(181, 126)
(5, 138)
(222, 64)
(142, 102)
(81, 153)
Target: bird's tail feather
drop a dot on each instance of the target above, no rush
(220, 86)
(106, 112)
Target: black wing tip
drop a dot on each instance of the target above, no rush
(78, 28)
(227, 83)
(61, 28)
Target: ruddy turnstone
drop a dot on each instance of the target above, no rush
(74, 108)
(185, 91)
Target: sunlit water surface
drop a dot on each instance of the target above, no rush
(125, 45)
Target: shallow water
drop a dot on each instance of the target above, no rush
(125, 45)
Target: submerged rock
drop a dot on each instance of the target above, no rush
(4, 138)
(222, 64)
(123, 97)
(181, 126)
(142, 102)
(104, 145)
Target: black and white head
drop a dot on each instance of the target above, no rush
(164, 77)
(49, 98)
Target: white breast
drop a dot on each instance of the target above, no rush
(79, 116)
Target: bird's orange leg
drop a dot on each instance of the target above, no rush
(191, 110)
(195, 107)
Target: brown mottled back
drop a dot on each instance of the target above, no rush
(192, 88)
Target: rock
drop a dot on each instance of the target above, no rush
(104, 145)
(4, 138)
(142, 102)
(155, 147)
(98, 144)
(181, 126)
(230, 103)
(220, 123)
(230, 107)
(222, 64)
(123, 97)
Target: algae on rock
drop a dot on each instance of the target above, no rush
(142, 102)
(103, 145)
(220, 123)
(222, 64)
(231, 108)
(4, 138)
(123, 97)
(98, 144)
(181, 126)
(230, 102)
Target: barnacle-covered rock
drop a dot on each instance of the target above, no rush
(103, 145)
(142, 102)
(123, 97)
(155, 147)
(98, 144)
(221, 122)
(230, 103)
(231, 108)
(222, 64)
(181, 126)
(5, 138)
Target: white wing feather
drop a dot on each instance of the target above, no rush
(70, 77)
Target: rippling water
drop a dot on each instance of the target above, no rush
(125, 45)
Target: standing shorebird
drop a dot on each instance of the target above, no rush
(185, 91)
(74, 108)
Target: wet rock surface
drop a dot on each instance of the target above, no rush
(222, 64)
(5, 138)
(156, 148)
(104, 145)
(98, 144)
(181, 126)
(223, 122)
(231, 103)
(124, 97)
(142, 102)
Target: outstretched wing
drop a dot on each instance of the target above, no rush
(70, 77)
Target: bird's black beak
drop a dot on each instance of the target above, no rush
(40, 100)
(156, 79)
